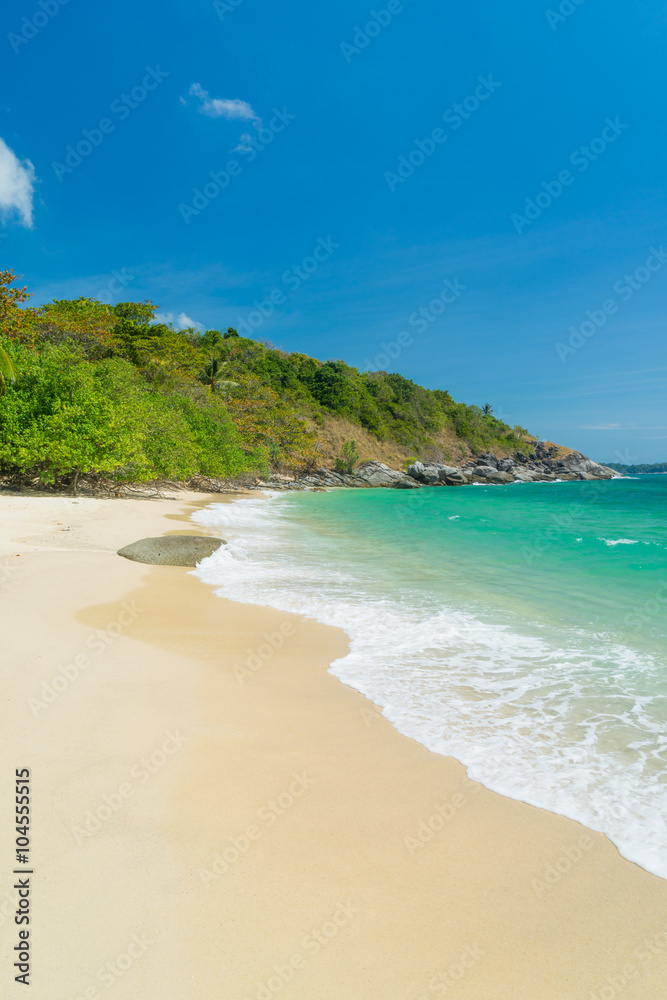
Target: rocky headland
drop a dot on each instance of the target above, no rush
(545, 463)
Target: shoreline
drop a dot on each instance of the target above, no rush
(273, 822)
(286, 556)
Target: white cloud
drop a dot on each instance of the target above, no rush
(245, 144)
(17, 185)
(218, 107)
(181, 322)
(618, 427)
(600, 427)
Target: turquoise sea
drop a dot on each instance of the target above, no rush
(521, 629)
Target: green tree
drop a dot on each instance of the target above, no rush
(66, 417)
(11, 317)
(159, 351)
(7, 371)
(332, 386)
(348, 458)
(87, 323)
(212, 375)
(136, 312)
(210, 340)
(111, 390)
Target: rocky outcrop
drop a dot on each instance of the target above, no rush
(485, 471)
(370, 475)
(429, 474)
(578, 463)
(172, 550)
(377, 474)
(487, 474)
(542, 464)
(456, 478)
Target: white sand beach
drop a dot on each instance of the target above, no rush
(200, 831)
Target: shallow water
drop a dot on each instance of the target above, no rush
(520, 629)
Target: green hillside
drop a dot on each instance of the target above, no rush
(637, 470)
(88, 388)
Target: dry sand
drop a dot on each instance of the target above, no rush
(204, 836)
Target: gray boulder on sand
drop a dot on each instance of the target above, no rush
(172, 550)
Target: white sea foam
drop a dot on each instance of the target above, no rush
(619, 541)
(548, 724)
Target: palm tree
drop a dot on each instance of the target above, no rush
(487, 410)
(7, 371)
(212, 375)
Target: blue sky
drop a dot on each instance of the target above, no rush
(305, 169)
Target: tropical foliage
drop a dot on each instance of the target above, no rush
(7, 371)
(349, 457)
(87, 387)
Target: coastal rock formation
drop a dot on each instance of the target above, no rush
(489, 474)
(369, 475)
(171, 550)
(430, 474)
(541, 465)
(485, 471)
(576, 462)
(318, 478)
(455, 478)
(377, 474)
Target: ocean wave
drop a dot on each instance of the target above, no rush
(545, 722)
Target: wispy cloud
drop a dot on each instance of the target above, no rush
(617, 427)
(245, 144)
(223, 107)
(17, 186)
(600, 427)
